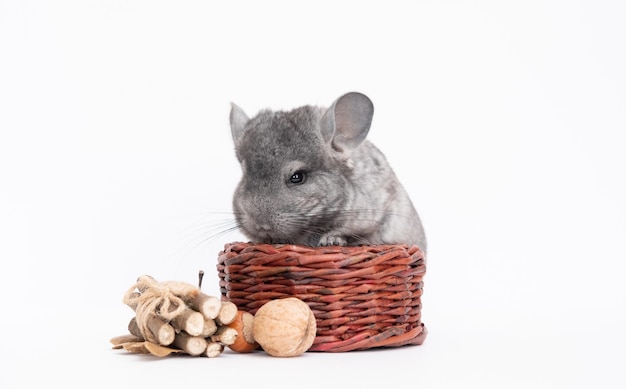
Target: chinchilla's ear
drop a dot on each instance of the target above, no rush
(347, 121)
(238, 120)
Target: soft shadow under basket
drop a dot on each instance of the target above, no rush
(362, 296)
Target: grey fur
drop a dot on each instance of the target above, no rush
(350, 194)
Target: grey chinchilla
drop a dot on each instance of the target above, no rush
(310, 177)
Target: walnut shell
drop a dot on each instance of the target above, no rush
(285, 327)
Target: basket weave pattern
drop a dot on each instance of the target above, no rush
(362, 296)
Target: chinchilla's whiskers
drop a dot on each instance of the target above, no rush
(360, 239)
(202, 233)
(214, 229)
(369, 215)
(342, 215)
(314, 223)
(303, 225)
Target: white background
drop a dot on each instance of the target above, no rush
(504, 120)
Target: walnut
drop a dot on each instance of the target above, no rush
(285, 327)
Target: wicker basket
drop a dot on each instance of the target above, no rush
(362, 296)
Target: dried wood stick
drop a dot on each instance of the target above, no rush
(160, 331)
(214, 349)
(190, 321)
(210, 327)
(192, 345)
(227, 314)
(163, 332)
(133, 328)
(142, 282)
(225, 335)
(132, 300)
(208, 306)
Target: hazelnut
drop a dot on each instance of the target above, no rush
(243, 323)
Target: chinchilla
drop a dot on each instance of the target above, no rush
(311, 178)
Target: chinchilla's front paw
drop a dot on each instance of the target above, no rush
(332, 240)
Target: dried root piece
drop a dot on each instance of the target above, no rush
(192, 345)
(190, 321)
(225, 335)
(208, 306)
(133, 328)
(209, 328)
(227, 314)
(162, 332)
(214, 349)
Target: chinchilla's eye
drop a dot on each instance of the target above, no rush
(298, 177)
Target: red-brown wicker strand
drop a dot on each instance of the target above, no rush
(362, 296)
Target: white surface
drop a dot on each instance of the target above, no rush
(505, 121)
